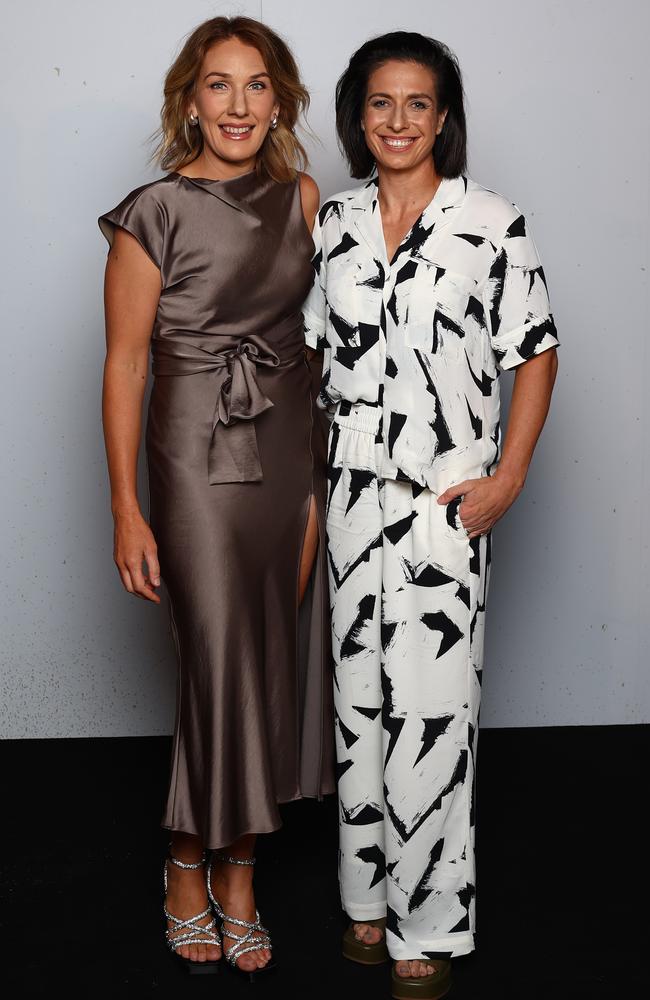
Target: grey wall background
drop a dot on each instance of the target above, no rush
(558, 95)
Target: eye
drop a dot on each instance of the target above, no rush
(258, 85)
(217, 85)
(379, 102)
(419, 105)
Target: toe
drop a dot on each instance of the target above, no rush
(247, 962)
(214, 954)
(200, 953)
(403, 969)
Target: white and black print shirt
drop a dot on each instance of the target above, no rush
(424, 336)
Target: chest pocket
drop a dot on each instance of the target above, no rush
(435, 312)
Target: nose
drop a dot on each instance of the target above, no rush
(397, 118)
(238, 106)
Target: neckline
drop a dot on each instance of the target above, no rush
(213, 180)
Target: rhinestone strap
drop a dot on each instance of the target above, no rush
(181, 864)
(234, 861)
(193, 932)
(256, 936)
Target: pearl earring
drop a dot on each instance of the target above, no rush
(194, 119)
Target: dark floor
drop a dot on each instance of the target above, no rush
(562, 878)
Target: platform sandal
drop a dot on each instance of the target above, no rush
(359, 951)
(431, 987)
(254, 936)
(190, 931)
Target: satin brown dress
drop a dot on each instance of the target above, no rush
(236, 449)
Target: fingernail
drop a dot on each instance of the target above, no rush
(156, 581)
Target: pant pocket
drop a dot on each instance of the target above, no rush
(453, 517)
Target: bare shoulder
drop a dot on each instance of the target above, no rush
(309, 196)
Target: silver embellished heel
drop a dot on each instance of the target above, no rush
(190, 931)
(254, 936)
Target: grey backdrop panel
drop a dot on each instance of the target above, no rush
(558, 96)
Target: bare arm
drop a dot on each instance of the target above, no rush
(131, 294)
(488, 499)
(310, 198)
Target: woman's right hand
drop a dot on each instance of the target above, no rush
(134, 545)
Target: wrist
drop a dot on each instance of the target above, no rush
(512, 477)
(125, 507)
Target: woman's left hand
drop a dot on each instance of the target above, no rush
(484, 501)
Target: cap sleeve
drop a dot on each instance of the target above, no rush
(141, 215)
(516, 300)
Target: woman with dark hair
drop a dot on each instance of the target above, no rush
(427, 285)
(209, 267)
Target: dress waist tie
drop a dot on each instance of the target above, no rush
(233, 456)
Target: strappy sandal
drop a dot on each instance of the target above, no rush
(431, 987)
(254, 937)
(359, 951)
(190, 931)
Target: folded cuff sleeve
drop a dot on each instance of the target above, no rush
(516, 300)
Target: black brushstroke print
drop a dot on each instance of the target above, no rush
(397, 421)
(390, 723)
(421, 892)
(374, 856)
(349, 738)
(457, 778)
(342, 767)
(516, 228)
(369, 814)
(360, 480)
(363, 557)
(438, 621)
(370, 713)
(395, 532)
(433, 730)
(346, 244)
(365, 611)
(476, 422)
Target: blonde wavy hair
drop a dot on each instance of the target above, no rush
(281, 154)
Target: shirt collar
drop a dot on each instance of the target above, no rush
(444, 205)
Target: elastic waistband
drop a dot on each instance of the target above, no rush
(358, 417)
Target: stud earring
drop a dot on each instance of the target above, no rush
(194, 119)
(274, 123)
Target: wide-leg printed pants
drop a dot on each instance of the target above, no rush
(408, 592)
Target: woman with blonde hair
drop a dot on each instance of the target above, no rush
(208, 268)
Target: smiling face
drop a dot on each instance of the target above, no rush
(235, 104)
(401, 118)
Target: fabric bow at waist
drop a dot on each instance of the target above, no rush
(233, 455)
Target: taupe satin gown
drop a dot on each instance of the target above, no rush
(236, 449)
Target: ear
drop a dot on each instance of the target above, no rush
(441, 121)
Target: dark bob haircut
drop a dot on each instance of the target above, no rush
(450, 149)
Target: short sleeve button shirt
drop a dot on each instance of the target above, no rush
(424, 336)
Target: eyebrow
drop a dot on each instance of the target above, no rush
(409, 98)
(228, 76)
